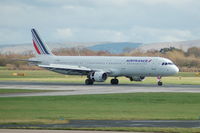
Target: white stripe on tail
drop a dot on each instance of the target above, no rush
(40, 47)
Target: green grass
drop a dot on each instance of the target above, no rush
(125, 129)
(48, 76)
(141, 129)
(2, 68)
(186, 74)
(136, 106)
(30, 74)
(6, 91)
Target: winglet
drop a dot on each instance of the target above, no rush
(40, 47)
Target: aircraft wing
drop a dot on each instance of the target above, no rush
(67, 69)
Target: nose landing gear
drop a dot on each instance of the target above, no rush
(160, 83)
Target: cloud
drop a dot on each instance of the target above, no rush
(64, 33)
(171, 2)
(8, 36)
(111, 35)
(100, 20)
(160, 35)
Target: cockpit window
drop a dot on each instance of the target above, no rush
(167, 63)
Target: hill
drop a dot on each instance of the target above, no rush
(115, 47)
(23, 48)
(184, 45)
(112, 47)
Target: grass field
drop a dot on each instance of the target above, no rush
(48, 76)
(128, 129)
(137, 106)
(143, 129)
(6, 91)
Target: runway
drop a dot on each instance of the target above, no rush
(62, 89)
(115, 123)
(55, 131)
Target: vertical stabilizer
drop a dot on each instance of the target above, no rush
(40, 47)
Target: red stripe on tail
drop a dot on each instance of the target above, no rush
(36, 48)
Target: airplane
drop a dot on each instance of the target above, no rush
(99, 68)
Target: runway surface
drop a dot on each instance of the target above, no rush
(80, 89)
(54, 131)
(116, 123)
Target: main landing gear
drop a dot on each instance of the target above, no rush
(89, 82)
(114, 81)
(159, 81)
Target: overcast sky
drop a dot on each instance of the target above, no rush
(142, 21)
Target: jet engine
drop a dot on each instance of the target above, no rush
(98, 76)
(137, 78)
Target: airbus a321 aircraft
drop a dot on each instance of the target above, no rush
(99, 68)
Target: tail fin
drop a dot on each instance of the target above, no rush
(40, 47)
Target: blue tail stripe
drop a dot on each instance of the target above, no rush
(41, 43)
(38, 43)
(36, 40)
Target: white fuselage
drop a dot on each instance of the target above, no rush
(116, 65)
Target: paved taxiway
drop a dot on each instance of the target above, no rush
(53, 131)
(80, 89)
(116, 123)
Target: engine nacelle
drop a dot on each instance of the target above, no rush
(98, 76)
(137, 78)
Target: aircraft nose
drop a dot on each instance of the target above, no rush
(176, 69)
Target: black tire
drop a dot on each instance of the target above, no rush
(114, 81)
(89, 82)
(160, 83)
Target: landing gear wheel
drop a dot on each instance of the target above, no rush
(160, 83)
(114, 81)
(89, 82)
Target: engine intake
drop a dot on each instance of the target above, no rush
(137, 78)
(98, 76)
